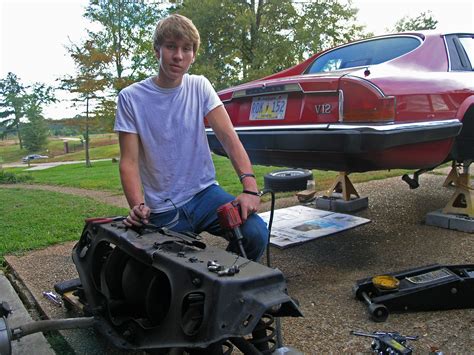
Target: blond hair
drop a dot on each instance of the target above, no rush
(176, 26)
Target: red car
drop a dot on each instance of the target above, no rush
(395, 101)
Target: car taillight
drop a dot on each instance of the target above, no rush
(362, 101)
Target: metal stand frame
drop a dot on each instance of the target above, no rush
(344, 186)
(453, 176)
(462, 200)
(458, 214)
(339, 196)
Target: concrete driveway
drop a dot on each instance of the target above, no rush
(321, 274)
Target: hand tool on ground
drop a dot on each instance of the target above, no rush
(388, 342)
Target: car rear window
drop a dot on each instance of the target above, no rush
(364, 53)
(461, 51)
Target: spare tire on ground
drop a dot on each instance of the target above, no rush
(287, 179)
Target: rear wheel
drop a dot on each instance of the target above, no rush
(463, 149)
(287, 179)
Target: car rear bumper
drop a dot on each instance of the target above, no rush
(342, 138)
(342, 146)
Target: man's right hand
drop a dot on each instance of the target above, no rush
(137, 216)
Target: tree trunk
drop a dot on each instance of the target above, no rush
(19, 135)
(86, 136)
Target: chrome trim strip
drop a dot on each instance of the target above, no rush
(371, 84)
(341, 106)
(321, 92)
(263, 87)
(394, 126)
(446, 48)
(243, 93)
(337, 126)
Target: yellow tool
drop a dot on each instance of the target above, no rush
(386, 282)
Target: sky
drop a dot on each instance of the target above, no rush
(34, 33)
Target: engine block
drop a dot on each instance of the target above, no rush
(154, 289)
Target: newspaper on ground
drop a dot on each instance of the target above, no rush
(300, 224)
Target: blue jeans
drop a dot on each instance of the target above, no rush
(199, 215)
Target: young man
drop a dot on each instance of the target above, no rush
(164, 151)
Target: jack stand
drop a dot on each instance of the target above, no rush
(338, 196)
(458, 214)
(343, 185)
(462, 200)
(452, 177)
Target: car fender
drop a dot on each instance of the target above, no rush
(468, 102)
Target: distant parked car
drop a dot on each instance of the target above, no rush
(34, 157)
(395, 101)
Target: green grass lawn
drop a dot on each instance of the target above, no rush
(104, 175)
(35, 219)
(100, 152)
(11, 153)
(101, 146)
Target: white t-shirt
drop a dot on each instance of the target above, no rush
(175, 160)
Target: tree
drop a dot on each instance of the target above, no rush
(324, 24)
(12, 103)
(245, 40)
(105, 109)
(241, 40)
(35, 134)
(18, 101)
(125, 34)
(35, 131)
(424, 21)
(90, 83)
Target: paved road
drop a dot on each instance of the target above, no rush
(42, 166)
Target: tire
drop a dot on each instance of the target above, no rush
(287, 180)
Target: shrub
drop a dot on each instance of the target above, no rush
(7, 177)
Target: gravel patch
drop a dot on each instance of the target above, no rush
(321, 273)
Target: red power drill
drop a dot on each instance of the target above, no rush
(229, 219)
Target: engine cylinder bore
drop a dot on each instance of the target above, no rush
(192, 313)
(112, 272)
(158, 297)
(135, 289)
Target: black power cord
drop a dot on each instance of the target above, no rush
(270, 220)
(270, 223)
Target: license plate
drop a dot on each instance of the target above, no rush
(268, 107)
